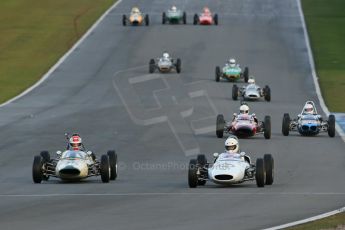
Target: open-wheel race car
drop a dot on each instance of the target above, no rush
(251, 92)
(243, 125)
(232, 72)
(229, 169)
(308, 122)
(135, 18)
(205, 18)
(165, 64)
(74, 165)
(174, 16)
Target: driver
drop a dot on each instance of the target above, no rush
(166, 56)
(75, 143)
(232, 148)
(232, 62)
(244, 110)
(173, 8)
(308, 109)
(135, 10)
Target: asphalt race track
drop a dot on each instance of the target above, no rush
(157, 122)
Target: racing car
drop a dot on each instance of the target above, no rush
(135, 18)
(308, 122)
(232, 73)
(228, 170)
(74, 165)
(251, 91)
(174, 16)
(205, 18)
(165, 64)
(243, 126)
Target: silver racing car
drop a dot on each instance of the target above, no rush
(165, 64)
(251, 91)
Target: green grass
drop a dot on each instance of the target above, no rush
(328, 223)
(326, 26)
(35, 34)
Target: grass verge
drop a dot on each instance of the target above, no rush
(325, 23)
(332, 222)
(35, 34)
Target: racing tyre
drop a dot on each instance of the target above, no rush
(113, 164)
(215, 19)
(45, 156)
(246, 74)
(267, 92)
(217, 73)
(195, 19)
(192, 174)
(269, 168)
(124, 20)
(184, 18)
(220, 126)
(152, 66)
(202, 161)
(178, 65)
(147, 20)
(260, 172)
(37, 171)
(267, 127)
(234, 92)
(164, 18)
(286, 124)
(105, 168)
(331, 125)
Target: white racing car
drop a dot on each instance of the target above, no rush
(165, 64)
(228, 169)
(74, 165)
(251, 91)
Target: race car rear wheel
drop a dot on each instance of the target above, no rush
(220, 125)
(215, 19)
(331, 125)
(269, 168)
(192, 174)
(164, 17)
(235, 92)
(184, 18)
(218, 73)
(267, 92)
(246, 74)
(147, 20)
(124, 20)
(195, 19)
(260, 172)
(202, 161)
(113, 164)
(267, 127)
(105, 168)
(152, 66)
(178, 65)
(286, 124)
(37, 169)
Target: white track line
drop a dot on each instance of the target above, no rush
(63, 58)
(326, 111)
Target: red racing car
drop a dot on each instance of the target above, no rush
(244, 125)
(205, 18)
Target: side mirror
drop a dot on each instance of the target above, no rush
(58, 153)
(215, 155)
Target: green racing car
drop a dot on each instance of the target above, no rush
(174, 16)
(232, 72)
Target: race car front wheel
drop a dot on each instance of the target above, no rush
(113, 164)
(269, 168)
(331, 125)
(260, 172)
(37, 169)
(105, 168)
(192, 174)
(267, 127)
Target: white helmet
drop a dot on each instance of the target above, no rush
(244, 109)
(166, 55)
(232, 62)
(251, 80)
(308, 109)
(232, 145)
(173, 8)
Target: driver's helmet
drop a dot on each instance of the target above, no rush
(308, 109)
(244, 109)
(173, 8)
(232, 145)
(75, 142)
(135, 10)
(232, 62)
(166, 55)
(251, 80)
(206, 10)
